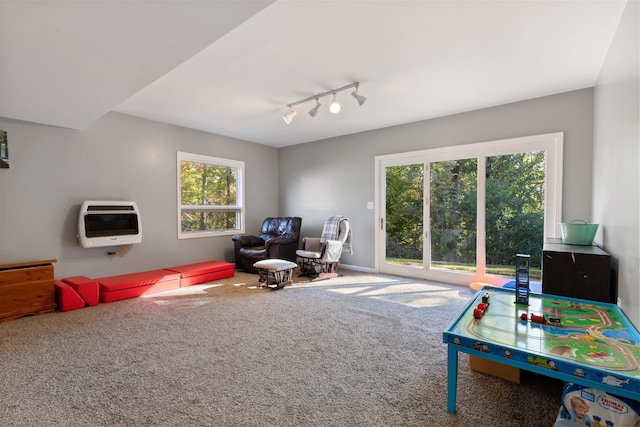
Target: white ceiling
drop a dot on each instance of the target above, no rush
(231, 67)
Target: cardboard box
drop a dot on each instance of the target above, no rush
(496, 369)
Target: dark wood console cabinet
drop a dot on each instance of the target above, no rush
(577, 271)
(26, 289)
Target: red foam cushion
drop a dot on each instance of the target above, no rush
(207, 277)
(199, 268)
(66, 298)
(78, 280)
(85, 287)
(143, 278)
(137, 291)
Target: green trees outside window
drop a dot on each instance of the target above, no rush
(515, 208)
(453, 213)
(210, 194)
(404, 208)
(514, 215)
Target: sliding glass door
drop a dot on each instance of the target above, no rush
(404, 218)
(515, 211)
(461, 214)
(453, 215)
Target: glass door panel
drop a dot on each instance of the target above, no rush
(453, 215)
(480, 206)
(404, 215)
(514, 211)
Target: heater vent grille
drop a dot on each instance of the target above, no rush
(93, 208)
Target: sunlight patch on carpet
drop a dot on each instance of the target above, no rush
(419, 300)
(188, 290)
(411, 294)
(413, 301)
(347, 280)
(405, 288)
(364, 279)
(183, 302)
(350, 289)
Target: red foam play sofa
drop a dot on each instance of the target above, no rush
(74, 292)
(115, 288)
(200, 272)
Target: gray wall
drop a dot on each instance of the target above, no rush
(119, 157)
(336, 176)
(616, 190)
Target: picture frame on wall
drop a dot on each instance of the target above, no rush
(4, 150)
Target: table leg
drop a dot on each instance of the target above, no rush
(452, 378)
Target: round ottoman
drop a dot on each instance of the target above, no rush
(275, 273)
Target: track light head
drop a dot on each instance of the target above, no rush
(334, 107)
(359, 98)
(288, 117)
(314, 110)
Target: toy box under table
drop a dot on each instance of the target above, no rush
(500, 370)
(583, 406)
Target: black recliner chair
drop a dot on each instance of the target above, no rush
(279, 238)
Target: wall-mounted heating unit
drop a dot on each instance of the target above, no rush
(108, 223)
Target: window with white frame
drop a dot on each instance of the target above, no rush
(210, 196)
(456, 213)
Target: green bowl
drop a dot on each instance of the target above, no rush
(578, 234)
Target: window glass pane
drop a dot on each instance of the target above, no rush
(205, 221)
(405, 217)
(210, 199)
(453, 209)
(205, 184)
(515, 211)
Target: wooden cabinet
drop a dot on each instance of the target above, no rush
(577, 271)
(26, 289)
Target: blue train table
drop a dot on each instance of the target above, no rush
(584, 342)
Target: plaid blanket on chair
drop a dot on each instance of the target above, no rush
(331, 229)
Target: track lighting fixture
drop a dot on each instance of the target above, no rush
(314, 110)
(288, 117)
(334, 107)
(359, 98)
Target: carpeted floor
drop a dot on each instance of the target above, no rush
(358, 350)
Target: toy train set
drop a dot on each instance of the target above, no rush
(542, 320)
(480, 309)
